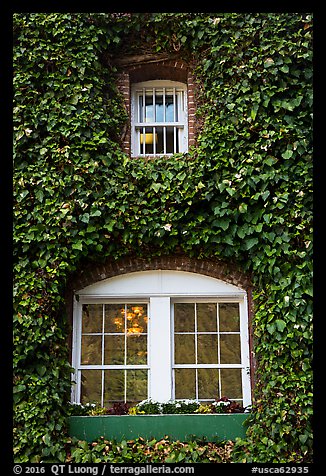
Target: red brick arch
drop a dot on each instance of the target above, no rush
(227, 272)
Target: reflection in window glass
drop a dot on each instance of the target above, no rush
(184, 317)
(230, 349)
(206, 317)
(114, 350)
(114, 335)
(207, 345)
(92, 318)
(208, 384)
(206, 337)
(91, 353)
(231, 383)
(229, 317)
(114, 386)
(184, 345)
(185, 383)
(91, 386)
(136, 385)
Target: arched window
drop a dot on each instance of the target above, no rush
(162, 335)
(158, 118)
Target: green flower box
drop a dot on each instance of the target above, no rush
(183, 427)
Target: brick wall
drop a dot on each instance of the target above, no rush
(93, 273)
(151, 68)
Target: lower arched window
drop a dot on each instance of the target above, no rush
(161, 335)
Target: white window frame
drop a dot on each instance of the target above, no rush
(179, 124)
(160, 290)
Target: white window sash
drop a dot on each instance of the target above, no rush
(179, 124)
(160, 344)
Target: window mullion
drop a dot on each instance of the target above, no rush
(160, 350)
(102, 360)
(154, 140)
(144, 140)
(218, 349)
(196, 353)
(164, 139)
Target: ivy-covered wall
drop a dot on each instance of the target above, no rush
(243, 195)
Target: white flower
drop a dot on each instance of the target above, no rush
(167, 227)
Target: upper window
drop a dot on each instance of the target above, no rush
(158, 118)
(162, 335)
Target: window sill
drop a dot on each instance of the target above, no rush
(183, 427)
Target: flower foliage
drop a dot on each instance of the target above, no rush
(243, 194)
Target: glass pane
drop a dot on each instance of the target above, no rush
(229, 317)
(184, 317)
(136, 385)
(184, 349)
(114, 318)
(136, 349)
(91, 350)
(208, 384)
(91, 386)
(169, 108)
(159, 140)
(231, 383)
(137, 318)
(114, 386)
(159, 107)
(140, 109)
(207, 349)
(185, 383)
(170, 140)
(230, 349)
(92, 318)
(147, 139)
(114, 350)
(149, 110)
(206, 317)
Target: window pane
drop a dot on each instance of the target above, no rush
(114, 318)
(136, 385)
(159, 140)
(114, 386)
(229, 317)
(137, 318)
(170, 140)
(185, 383)
(92, 318)
(184, 317)
(231, 383)
(208, 386)
(230, 349)
(206, 317)
(91, 350)
(169, 108)
(159, 107)
(91, 386)
(184, 349)
(136, 349)
(114, 350)
(207, 349)
(149, 111)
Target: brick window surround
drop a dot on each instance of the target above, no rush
(140, 68)
(92, 273)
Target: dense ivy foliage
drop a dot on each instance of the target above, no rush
(243, 194)
(148, 451)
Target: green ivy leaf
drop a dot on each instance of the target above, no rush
(280, 324)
